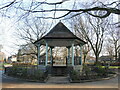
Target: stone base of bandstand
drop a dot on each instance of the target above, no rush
(78, 68)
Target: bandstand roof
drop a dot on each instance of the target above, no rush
(60, 35)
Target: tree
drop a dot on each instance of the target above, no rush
(1, 47)
(86, 50)
(7, 5)
(35, 7)
(114, 37)
(29, 32)
(107, 10)
(93, 31)
(110, 49)
(32, 30)
(86, 47)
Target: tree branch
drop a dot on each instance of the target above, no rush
(52, 3)
(8, 5)
(108, 11)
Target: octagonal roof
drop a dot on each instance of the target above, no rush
(63, 34)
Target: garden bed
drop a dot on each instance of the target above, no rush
(89, 74)
(92, 79)
(27, 73)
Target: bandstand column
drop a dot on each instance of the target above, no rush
(46, 61)
(72, 54)
(68, 61)
(38, 53)
(81, 47)
(51, 62)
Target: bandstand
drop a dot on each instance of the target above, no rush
(60, 36)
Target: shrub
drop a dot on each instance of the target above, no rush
(115, 64)
(21, 64)
(100, 70)
(39, 75)
(22, 72)
(75, 75)
(86, 70)
(12, 71)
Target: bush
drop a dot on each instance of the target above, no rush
(26, 73)
(21, 64)
(100, 70)
(86, 70)
(38, 75)
(12, 71)
(75, 75)
(115, 64)
(22, 72)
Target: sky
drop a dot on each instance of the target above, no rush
(8, 25)
(6, 39)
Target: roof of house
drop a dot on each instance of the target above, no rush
(102, 58)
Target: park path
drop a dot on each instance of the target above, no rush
(58, 79)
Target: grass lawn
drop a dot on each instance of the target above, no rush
(7, 64)
(1, 66)
(114, 67)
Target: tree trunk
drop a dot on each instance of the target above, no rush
(116, 52)
(84, 59)
(96, 62)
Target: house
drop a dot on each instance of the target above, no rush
(90, 60)
(27, 54)
(14, 58)
(2, 57)
(107, 58)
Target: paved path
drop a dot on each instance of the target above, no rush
(15, 83)
(58, 80)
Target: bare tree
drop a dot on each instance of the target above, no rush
(32, 30)
(1, 47)
(7, 5)
(110, 49)
(35, 7)
(104, 7)
(114, 38)
(93, 30)
(86, 47)
(86, 50)
(29, 32)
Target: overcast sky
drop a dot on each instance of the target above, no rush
(8, 25)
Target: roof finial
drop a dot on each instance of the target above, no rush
(60, 21)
